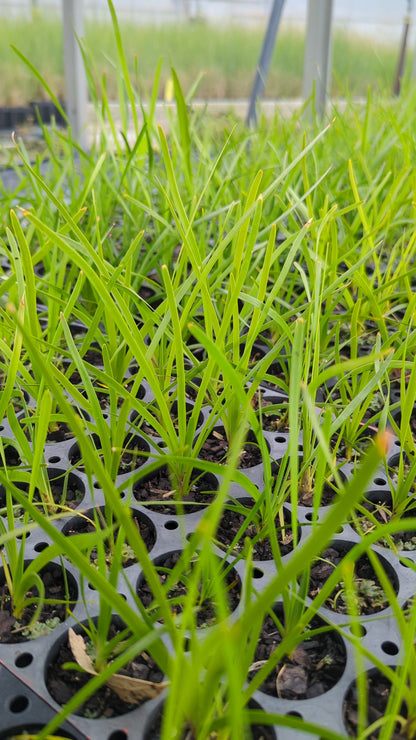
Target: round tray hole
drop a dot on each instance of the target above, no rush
(358, 630)
(379, 481)
(19, 704)
(390, 648)
(280, 439)
(54, 459)
(257, 573)
(23, 660)
(171, 524)
(118, 735)
(40, 546)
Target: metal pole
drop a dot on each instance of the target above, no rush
(75, 78)
(318, 47)
(264, 60)
(397, 84)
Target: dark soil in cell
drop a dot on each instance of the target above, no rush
(275, 422)
(332, 395)
(393, 471)
(94, 357)
(191, 390)
(370, 597)
(257, 353)
(59, 587)
(87, 524)
(19, 400)
(64, 683)
(11, 456)
(234, 518)
(75, 379)
(272, 419)
(314, 666)
(150, 295)
(75, 457)
(378, 688)
(67, 491)
(215, 449)
(306, 498)
(353, 449)
(133, 455)
(157, 493)
(59, 431)
(205, 607)
(278, 371)
(102, 391)
(413, 424)
(104, 397)
(254, 732)
(149, 429)
(383, 514)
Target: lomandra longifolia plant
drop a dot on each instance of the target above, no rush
(162, 288)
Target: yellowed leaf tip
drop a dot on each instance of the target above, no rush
(383, 441)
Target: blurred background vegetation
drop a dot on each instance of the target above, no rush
(225, 57)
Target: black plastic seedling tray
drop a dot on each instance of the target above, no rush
(26, 701)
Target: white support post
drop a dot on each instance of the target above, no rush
(318, 48)
(76, 92)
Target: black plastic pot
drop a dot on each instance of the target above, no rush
(47, 110)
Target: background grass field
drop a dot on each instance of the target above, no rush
(225, 57)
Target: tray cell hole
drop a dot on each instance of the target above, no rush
(18, 704)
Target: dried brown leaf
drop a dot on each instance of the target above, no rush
(79, 651)
(168, 494)
(256, 665)
(130, 690)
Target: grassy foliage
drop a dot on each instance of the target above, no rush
(211, 269)
(224, 58)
